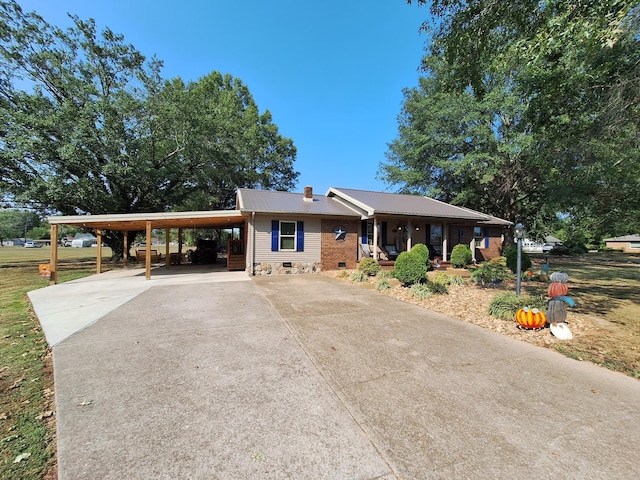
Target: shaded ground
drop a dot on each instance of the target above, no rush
(605, 321)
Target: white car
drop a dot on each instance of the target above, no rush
(32, 245)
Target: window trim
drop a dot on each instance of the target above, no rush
(293, 236)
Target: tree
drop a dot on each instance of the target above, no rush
(476, 152)
(90, 126)
(16, 223)
(574, 69)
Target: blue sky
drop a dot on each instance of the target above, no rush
(330, 72)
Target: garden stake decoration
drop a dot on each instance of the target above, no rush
(557, 305)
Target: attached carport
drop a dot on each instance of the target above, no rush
(146, 222)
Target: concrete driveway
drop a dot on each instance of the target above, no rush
(308, 377)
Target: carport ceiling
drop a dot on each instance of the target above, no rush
(138, 221)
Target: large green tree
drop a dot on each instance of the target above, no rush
(90, 126)
(573, 68)
(472, 151)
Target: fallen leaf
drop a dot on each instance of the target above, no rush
(22, 456)
(84, 403)
(46, 414)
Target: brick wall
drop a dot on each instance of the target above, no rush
(335, 252)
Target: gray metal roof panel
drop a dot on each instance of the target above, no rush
(401, 204)
(268, 201)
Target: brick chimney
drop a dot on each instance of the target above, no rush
(308, 194)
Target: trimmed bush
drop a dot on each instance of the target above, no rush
(461, 256)
(410, 268)
(511, 254)
(369, 266)
(423, 251)
(506, 304)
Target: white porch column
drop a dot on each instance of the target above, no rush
(472, 246)
(375, 238)
(409, 235)
(445, 241)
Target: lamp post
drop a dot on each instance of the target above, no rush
(519, 231)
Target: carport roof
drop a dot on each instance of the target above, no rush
(128, 222)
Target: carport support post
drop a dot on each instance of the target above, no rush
(167, 235)
(147, 257)
(99, 252)
(53, 259)
(125, 250)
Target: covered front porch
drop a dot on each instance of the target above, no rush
(385, 237)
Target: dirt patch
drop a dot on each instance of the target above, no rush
(595, 338)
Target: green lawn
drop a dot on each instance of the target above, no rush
(27, 418)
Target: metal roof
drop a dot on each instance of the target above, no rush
(376, 203)
(138, 221)
(268, 201)
(625, 238)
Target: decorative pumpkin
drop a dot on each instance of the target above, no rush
(559, 277)
(557, 289)
(531, 318)
(556, 311)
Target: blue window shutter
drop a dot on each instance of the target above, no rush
(275, 226)
(300, 237)
(363, 228)
(486, 237)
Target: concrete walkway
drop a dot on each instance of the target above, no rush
(309, 377)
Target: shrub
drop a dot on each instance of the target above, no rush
(440, 288)
(410, 268)
(511, 254)
(442, 278)
(457, 280)
(385, 274)
(461, 256)
(369, 266)
(495, 270)
(383, 284)
(506, 304)
(423, 251)
(359, 276)
(420, 291)
(343, 274)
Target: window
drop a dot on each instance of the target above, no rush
(477, 236)
(287, 235)
(435, 237)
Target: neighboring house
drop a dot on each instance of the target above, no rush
(298, 233)
(628, 243)
(532, 246)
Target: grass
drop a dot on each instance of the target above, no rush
(27, 418)
(605, 286)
